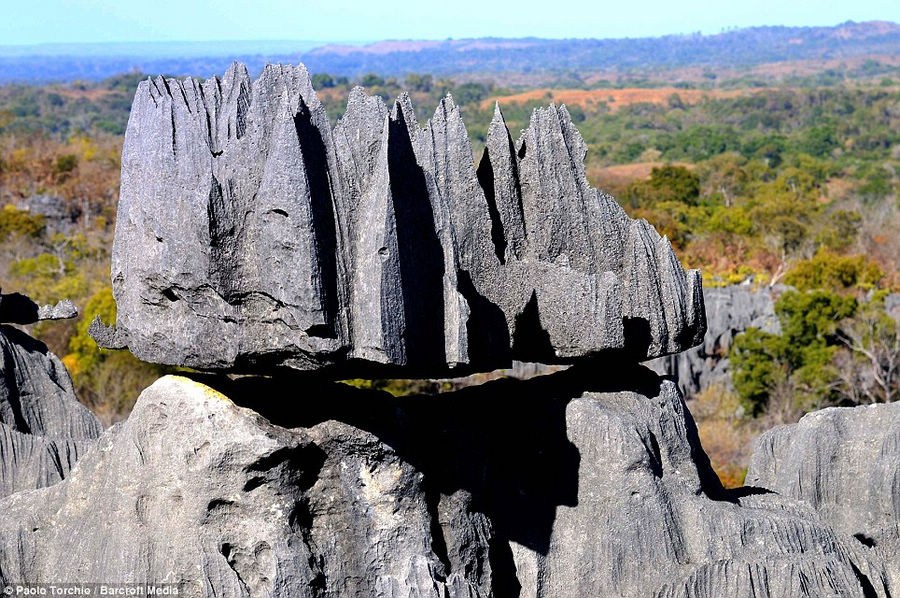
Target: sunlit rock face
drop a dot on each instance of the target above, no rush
(251, 235)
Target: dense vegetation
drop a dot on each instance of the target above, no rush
(791, 184)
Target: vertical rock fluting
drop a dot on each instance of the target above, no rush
(43, 427)
(252, 236)
(845, 464)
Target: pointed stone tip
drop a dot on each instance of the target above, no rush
(107, 337)
(237, 68)
(403, 107)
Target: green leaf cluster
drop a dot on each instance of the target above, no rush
(798, 361)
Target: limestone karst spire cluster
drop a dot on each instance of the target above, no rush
(252, 235)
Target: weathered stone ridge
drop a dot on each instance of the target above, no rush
(844, 462)
(592, 488)
(251, 235)
(43, 427)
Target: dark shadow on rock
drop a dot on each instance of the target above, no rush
(866, 584)
(485, 174)
(504, 441)
(637, 337)
(420, 256)
(865, 540)
(734, 495)
(220, 212)
(531, 342)
(11, 407)
(16, 308)
(315, 158)
(486, 329)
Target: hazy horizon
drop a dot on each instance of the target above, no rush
(318, 22)
(183, 48)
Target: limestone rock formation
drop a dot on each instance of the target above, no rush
(845, 464)
(252, 236)
(43, 427)
(592, 488)
(194, 490)
(729, 311)
(16, 308)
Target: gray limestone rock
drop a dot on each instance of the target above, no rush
(649, 519)
(252, 236)
(16, 308)
(844, 463)
(562, 485)
(43, 427)
(194, 490)
(729, 311)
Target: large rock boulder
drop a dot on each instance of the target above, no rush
(729, 311)
(43, 427)
(844, 463)
(252, 236)
(563, 485)
(197, 491)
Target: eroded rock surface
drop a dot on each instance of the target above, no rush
(253, 236)
(16, 308)
(43, 427)
(558, 486)
(194, 490)
(845, 464)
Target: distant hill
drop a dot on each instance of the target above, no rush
(742, 47)
(737, 48)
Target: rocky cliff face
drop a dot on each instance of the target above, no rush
(252, 236)
(845, 464)
(43, 427)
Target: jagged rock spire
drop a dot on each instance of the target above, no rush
(251, 235)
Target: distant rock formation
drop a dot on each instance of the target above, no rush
(60, 216)
(844, 463)
(729, 311)
(252, 236)
(577, 485)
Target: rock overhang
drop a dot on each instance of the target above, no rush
(252, 236)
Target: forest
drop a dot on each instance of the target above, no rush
(792, 185)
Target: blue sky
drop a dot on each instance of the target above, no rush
(74, 21)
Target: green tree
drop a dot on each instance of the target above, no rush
(796, 367)
(828, 270)
(417, 82)
(14, 221)
(759, 365)
(322, 80)
(371, 80)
